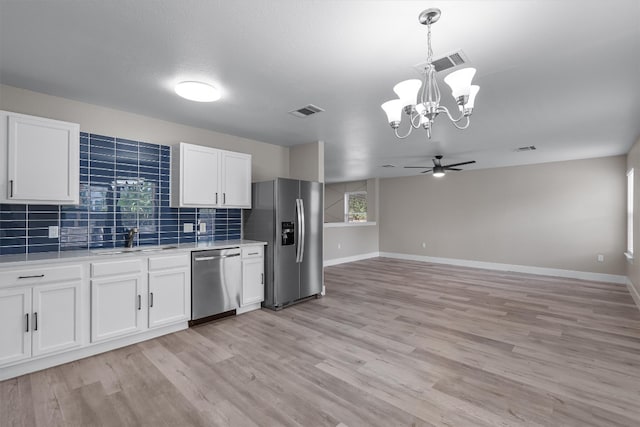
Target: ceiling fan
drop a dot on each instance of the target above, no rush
(438, 168)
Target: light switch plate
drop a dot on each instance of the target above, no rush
(203, 227)
(188, 227)
(54, 231)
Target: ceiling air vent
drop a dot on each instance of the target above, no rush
(306, 111)
(449, 61)
(526, 148)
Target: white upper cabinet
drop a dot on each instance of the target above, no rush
(208, 177)
(236, 179)
(195, 176)
(39, 160)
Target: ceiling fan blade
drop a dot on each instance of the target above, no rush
(451, 169)
(460, 164)
(427, 171)
(417, 167)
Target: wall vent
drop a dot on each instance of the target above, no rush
(444, 63)
(388, 166)
(306, 111)
(526, 148)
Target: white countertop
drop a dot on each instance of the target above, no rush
(27, 260)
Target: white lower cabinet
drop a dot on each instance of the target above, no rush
(116, 307)
(252, 281)
(56, 317)
(39, 320)
(15, 333)
(169, 290)
(252, 275)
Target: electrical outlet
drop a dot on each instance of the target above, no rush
(600, 258)
(202, 227)
(188, 227)
(54, 232)
(424, 245)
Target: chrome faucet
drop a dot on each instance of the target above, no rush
(130, 236)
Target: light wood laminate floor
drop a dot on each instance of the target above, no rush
(394, 343)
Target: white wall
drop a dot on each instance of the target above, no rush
(554, 215)
(269, 161)
(306, 161)
(342, 242)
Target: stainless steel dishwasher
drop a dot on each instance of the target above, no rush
(216, 281)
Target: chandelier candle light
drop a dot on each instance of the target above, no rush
(424, 112)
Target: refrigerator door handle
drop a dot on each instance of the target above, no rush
(299, 231)
(302, 230)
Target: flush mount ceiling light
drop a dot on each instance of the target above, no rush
(422, 114)
(197, 91)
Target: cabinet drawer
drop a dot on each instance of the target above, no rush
(42, 274)
(112, 268)
(169, 262)
(252, 251)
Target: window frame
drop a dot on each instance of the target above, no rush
(347, 196)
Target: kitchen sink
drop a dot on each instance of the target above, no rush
(132, 250)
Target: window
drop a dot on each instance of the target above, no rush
(630, 214)
(355, 206)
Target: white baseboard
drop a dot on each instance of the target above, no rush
(557, 272)
(634, 292)
(33, 365)
(359, 257)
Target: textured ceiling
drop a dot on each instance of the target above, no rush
(560, 75)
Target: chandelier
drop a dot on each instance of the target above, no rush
(423, 113)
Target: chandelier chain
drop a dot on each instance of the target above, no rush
(429, 50)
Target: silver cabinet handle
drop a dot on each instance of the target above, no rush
(31, 277)
(262, 278)
(35, 321)
(11, 188)
(216, 198)
(253, 253)
(139, 302)
(224, 198)
(151, 299)
(27, 322)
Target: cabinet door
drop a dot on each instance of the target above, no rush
(236, 180)
(116, 307)
(252, 281)
(56, 317)
(199, 180)
(43, 160)
(169, 297)
(15, 325)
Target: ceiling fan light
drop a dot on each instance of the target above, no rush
(438, 171)
(393, 109)
(197, 91)
(407, 91)
(460, 82)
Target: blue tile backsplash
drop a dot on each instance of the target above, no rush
(123, 184)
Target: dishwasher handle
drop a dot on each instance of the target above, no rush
(209, 258)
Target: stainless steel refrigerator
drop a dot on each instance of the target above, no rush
(287, 214)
